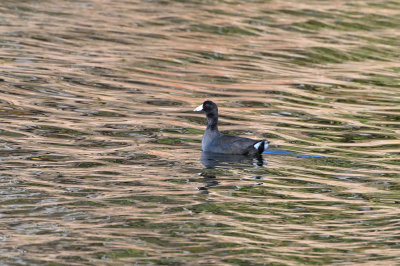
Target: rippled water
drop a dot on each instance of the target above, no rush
(101, 157)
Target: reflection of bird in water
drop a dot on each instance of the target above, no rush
(209, 181)
(214, 141)
(211, 160)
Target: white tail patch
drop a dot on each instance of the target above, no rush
(257, 145)
(266, 144)
(198, 108)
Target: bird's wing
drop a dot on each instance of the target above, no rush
(235, 144)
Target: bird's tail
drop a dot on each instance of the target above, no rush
(261, 146)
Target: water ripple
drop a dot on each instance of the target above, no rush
(100, 152)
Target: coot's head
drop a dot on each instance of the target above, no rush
(208, 107)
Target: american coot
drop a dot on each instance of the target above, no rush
(214, 141)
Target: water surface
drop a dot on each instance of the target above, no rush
(100, 153)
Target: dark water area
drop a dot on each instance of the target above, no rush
(100, 152)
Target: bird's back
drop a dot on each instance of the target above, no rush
(229, 144)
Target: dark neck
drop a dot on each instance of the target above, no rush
(212, 121)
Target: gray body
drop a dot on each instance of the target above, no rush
(214, 141)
